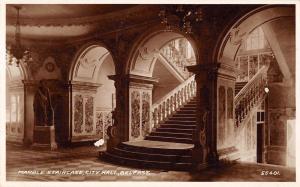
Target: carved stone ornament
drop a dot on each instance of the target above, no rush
(202, 137)
(235, 37)
(86, 63)
(147, 54)
(50, 66)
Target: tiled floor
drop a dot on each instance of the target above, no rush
(62, 165)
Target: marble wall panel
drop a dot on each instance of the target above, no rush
(78, 114)
(221, 115)
(99, 124)
(145, 113)
(135, 114)
(89, 114)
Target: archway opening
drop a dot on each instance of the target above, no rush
(14, 104)
(161, 58)
(262, 38)
(93, 95)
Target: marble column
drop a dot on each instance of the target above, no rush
(82, 121)
(140, 102)
(225, 88)
(117, 133)
(30, 87)
(132, 115)
(204, 138)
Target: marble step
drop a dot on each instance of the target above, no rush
(184, 115)
(183, 122)
(190, 104)
(157, 147)
(187, 108)
(177, 126)
(175, 130)
(170, 134)
(170, 139)
(239, 86)
(140, 155)
(186, 112)
(183, 118)
(146, 164)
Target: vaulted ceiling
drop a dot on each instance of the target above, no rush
(52, 22)
(66, 11)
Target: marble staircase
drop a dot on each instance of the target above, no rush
(178, 127)
(148, 154)
(168, 147)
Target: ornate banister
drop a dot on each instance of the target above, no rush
(168, 104)
(251, 94)
(178, 63)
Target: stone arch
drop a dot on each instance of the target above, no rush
(142, 57)
(102, 48)
(92, 93)
(230, 41)
(15, 102)
(146, 72)
(20, 72)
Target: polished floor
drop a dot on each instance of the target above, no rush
(82, 164)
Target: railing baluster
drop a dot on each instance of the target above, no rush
(155, 117)
(163, 111)
(249, 96)
(159, 114)
(174, 100)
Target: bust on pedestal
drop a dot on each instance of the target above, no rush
(44, 130)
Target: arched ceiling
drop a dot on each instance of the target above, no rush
(248, 23)
(52, 22)
(144, 60)
(278, 25)
(65, 21)
(63, 11)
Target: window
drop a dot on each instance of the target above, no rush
(256, 40)
(13, 105)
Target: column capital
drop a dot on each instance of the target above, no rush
(200, 68)
(134, 78)
(78, 85)
(30, 82)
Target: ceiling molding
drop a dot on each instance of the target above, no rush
(89, 20)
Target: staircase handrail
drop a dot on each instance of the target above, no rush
(168, 104)
(250, 95)
(261, 72)
(180, 70)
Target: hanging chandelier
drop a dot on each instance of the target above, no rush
(187, 14)
(16, 53)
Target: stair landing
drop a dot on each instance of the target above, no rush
(168, 147)
(152, 155)
(159, 144)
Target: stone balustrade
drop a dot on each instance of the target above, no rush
(162, 109)
(178, 62)
(252, 93)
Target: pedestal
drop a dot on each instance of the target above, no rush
(44, 137)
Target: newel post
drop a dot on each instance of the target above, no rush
(204, 137)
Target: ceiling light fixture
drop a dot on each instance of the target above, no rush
(17, 53)
(188, 15)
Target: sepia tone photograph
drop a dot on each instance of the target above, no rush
(150, 92)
